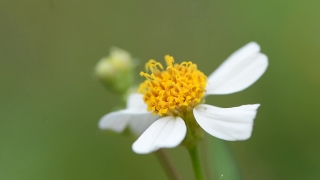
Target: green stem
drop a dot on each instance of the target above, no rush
(167, 165)
(196, 165)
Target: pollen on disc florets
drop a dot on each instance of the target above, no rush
(174, 90)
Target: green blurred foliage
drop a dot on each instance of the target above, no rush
(50, 103)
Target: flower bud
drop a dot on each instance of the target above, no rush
(115, 71)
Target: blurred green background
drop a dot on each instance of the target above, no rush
(50, 102)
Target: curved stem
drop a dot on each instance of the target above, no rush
(167, 165)
(196, 165)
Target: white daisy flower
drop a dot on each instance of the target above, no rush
(135, 116)
(176, 95)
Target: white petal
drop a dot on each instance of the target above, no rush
(226, 123)
(135, 111)
(167, 132)
(135, 103)
(140, 124)
(239, 71)
(118, 120)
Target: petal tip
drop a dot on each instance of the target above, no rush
(253, 45)
(264, 58)
(102, 123)
(115, 121)
(256, 106)
(137, 148)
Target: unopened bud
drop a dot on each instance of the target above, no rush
(115, 71)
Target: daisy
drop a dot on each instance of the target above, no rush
(176, 95)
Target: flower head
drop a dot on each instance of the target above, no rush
(174, 90)
(176, 94)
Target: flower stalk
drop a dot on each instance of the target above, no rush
(167, 165)
(196, 164)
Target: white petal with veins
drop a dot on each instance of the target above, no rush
(226, 123)
(136, 111)
(118, 120)
(166, 132)
(239, 71)
(139, 124)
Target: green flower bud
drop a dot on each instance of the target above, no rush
(115, 71)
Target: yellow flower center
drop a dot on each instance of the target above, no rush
(172, 91)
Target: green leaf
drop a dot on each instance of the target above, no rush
(222, 162)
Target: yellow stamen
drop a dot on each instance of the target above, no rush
(174, 90)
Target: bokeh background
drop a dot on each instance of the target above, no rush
(50, 101)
